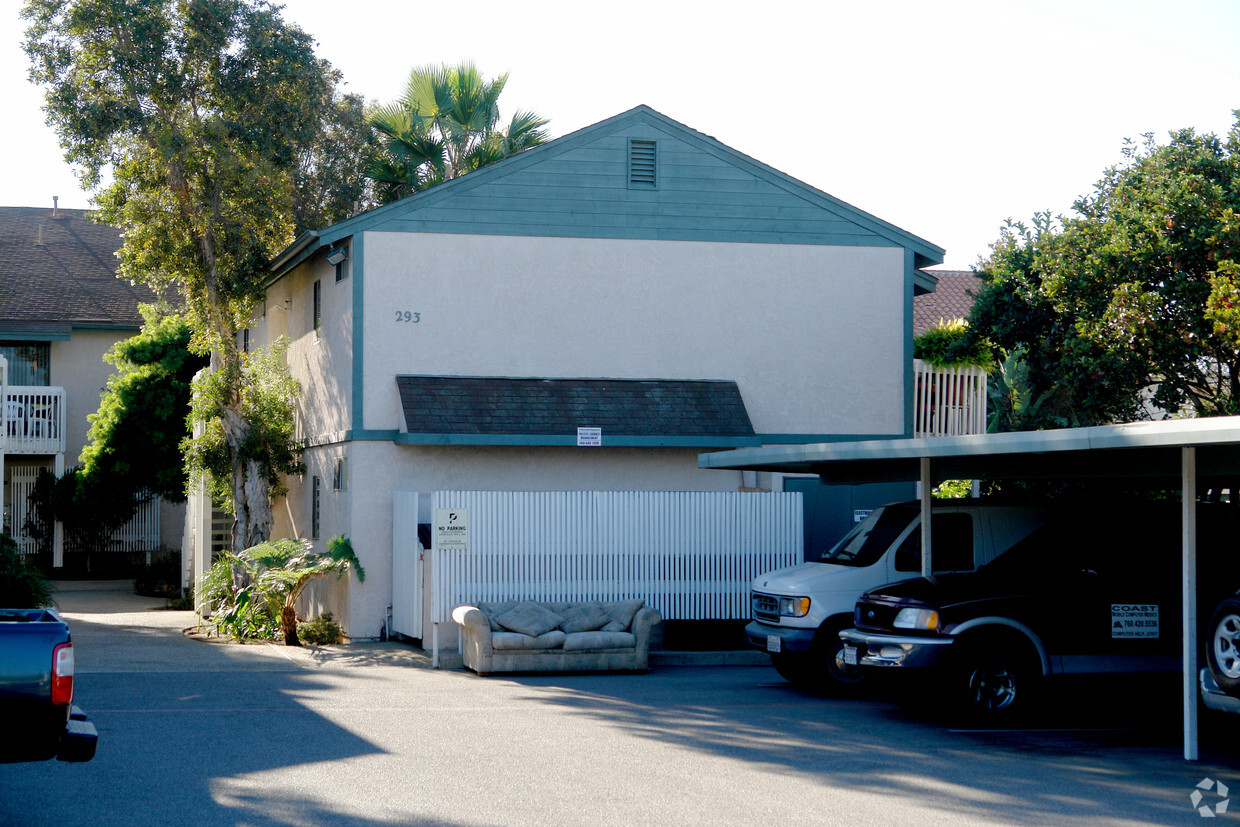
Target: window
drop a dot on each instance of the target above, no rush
(245, 340)
(30, 363)
(642, 165)
(318, 307)
(340, 271)
(951, 545)
(315, 503)
(340, 477)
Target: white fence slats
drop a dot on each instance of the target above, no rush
(948, 401)
(691, 555)
(141, 533)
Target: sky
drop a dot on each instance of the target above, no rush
(942, 118)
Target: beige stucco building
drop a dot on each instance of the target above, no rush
(635, 279)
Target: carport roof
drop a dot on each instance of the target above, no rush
(1149, 450)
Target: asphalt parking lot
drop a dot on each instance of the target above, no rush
(369, 734)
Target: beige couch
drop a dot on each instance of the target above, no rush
(524, 636)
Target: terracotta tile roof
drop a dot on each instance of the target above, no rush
(557, 407)
(62, 269)
(952, 299)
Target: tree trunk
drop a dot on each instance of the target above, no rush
(251, 497)
(288, 625)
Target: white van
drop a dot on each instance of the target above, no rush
(799, 611)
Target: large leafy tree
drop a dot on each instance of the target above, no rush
(446, 124)
(201, 110)
(1129, 300)
(135, 437)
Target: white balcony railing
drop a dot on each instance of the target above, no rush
(32, 420)
(948, 401)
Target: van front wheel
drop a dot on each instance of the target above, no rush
(822, 668)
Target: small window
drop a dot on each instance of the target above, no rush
(340, 271)
(318, 307)
(315, 497)
(245, 340)
(30, 363)
(642, 165)
(951, 545)
(340, 477)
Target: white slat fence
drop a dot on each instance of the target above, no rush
(948, 401)
(689, 555)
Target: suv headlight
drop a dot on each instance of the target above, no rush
(924, 619)
(793, 606)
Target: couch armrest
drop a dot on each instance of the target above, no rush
(475, 630)
(469, 616)
(643, 622)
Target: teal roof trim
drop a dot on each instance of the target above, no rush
(855, 227)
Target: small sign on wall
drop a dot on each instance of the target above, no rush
(451, 528)
(589, 437)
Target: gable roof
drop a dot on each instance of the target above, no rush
(538, 411)
(58, 272)
(952, 299)
(579, 186)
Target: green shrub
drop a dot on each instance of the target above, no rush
(947, 344)
(22, 586)
(320, 631)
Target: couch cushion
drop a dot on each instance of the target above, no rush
(493, 610)
(587, 617)
(529, 618)
(516, 640)
(600, 640)
(623, 613)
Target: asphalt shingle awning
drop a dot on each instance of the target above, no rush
(542, 411)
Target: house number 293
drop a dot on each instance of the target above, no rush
(405, 316)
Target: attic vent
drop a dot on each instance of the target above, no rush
(642, 164)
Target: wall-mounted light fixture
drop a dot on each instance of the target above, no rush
(337, 255)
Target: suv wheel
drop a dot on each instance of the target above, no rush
(995, 680)
(1223, 652)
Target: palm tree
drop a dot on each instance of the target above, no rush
(445, 125)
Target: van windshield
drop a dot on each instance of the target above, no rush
(865, 544)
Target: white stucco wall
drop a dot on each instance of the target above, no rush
(811, 334)
(78, 367)
(322, 363)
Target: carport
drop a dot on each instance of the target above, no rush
(1199, 452)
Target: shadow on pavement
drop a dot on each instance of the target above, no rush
(1036, 776)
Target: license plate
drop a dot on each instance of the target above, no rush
(850, 655)
(773, 643)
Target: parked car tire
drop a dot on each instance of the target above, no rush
(996, 679)
(1223, 647)
(822, 668)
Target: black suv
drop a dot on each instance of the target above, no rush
(1093, 591)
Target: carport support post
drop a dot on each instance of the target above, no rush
(927, 566)
(1188, 523)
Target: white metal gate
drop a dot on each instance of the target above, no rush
(406, 566)
(21, 486)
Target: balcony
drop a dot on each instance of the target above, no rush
(948, 401)
(32, 420)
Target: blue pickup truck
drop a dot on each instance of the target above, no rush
(40, 721)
